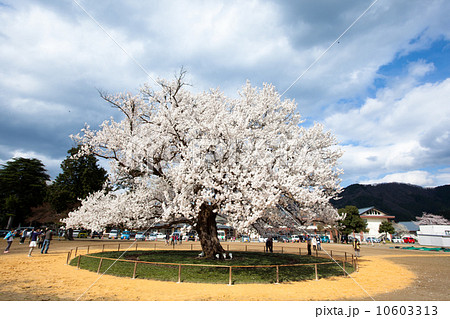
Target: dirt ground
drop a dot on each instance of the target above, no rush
(385, 274)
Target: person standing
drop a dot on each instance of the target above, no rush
(308, 244)
(319, 243)
(23, 235)
(40, 239)
(167, 238)
(314, 242)
(357, 247)
(48, 237)
(33, 240)
(269, 244)
(9, 239)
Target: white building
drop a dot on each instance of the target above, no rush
(434, 235)
(374, 218)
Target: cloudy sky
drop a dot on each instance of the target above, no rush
(383, 89)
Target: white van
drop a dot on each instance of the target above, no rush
(221, 235)
(114, 234)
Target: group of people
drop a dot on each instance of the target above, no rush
(174, 239)
(313, 242)
(38, 238)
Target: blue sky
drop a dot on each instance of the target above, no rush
(383, 90)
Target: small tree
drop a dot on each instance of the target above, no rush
(386, 227)
(351, 221)
(184, 158)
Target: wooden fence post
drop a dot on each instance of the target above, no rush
(278, 275)
(345, 256)
(103, 247)
(68, 257)
(76, 250)
(99, 265)
(331, 253)
(179, 274)
(315, 269)
(134, 271)
(87, 250)
(299, 251)
(282, 250)
(229, 278)
(343, 266)
(136, 246)
(118, 247)
(78, 263)
(245, 247)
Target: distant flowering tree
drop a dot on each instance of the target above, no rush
(185, 158)
(430, 219)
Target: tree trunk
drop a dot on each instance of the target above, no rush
(207, 232)
(10, 221)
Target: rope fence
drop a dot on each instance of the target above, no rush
(338, 257)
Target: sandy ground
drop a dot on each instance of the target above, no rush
(384, 274)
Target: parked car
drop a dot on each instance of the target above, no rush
(245, 239)
(221, 235)
(192, 236)
(79, 233)
(284, 239)
(96, 234)
(262, 239)
(113, 234)
(140, 235)
(372, 240)
(295, 238)
(397, 240)
(409, 240)
(151, 237)
(324, 239)
(160, 236)
(125, 235)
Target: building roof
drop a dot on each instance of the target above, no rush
(372, 212)
(411, 226)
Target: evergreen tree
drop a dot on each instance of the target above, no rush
(81, 175)
(386, 227)
(351, 221)
(22, 186)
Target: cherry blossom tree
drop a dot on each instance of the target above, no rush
(430, 219)
(181, 157)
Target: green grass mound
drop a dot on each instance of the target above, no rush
(241, 273)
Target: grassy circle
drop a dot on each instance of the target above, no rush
(205, 274)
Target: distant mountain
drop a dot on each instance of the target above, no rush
(404, 201)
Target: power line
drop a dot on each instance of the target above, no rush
(332, 44)
(117, 43)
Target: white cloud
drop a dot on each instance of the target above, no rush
(403, 128)
(421, 178)
(54, 56)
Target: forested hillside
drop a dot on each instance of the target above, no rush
(404, 201)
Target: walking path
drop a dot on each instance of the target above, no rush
(383, 274)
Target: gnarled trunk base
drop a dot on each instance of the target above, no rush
(207, 233)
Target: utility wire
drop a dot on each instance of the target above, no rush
(332, 44)
(117, 43)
